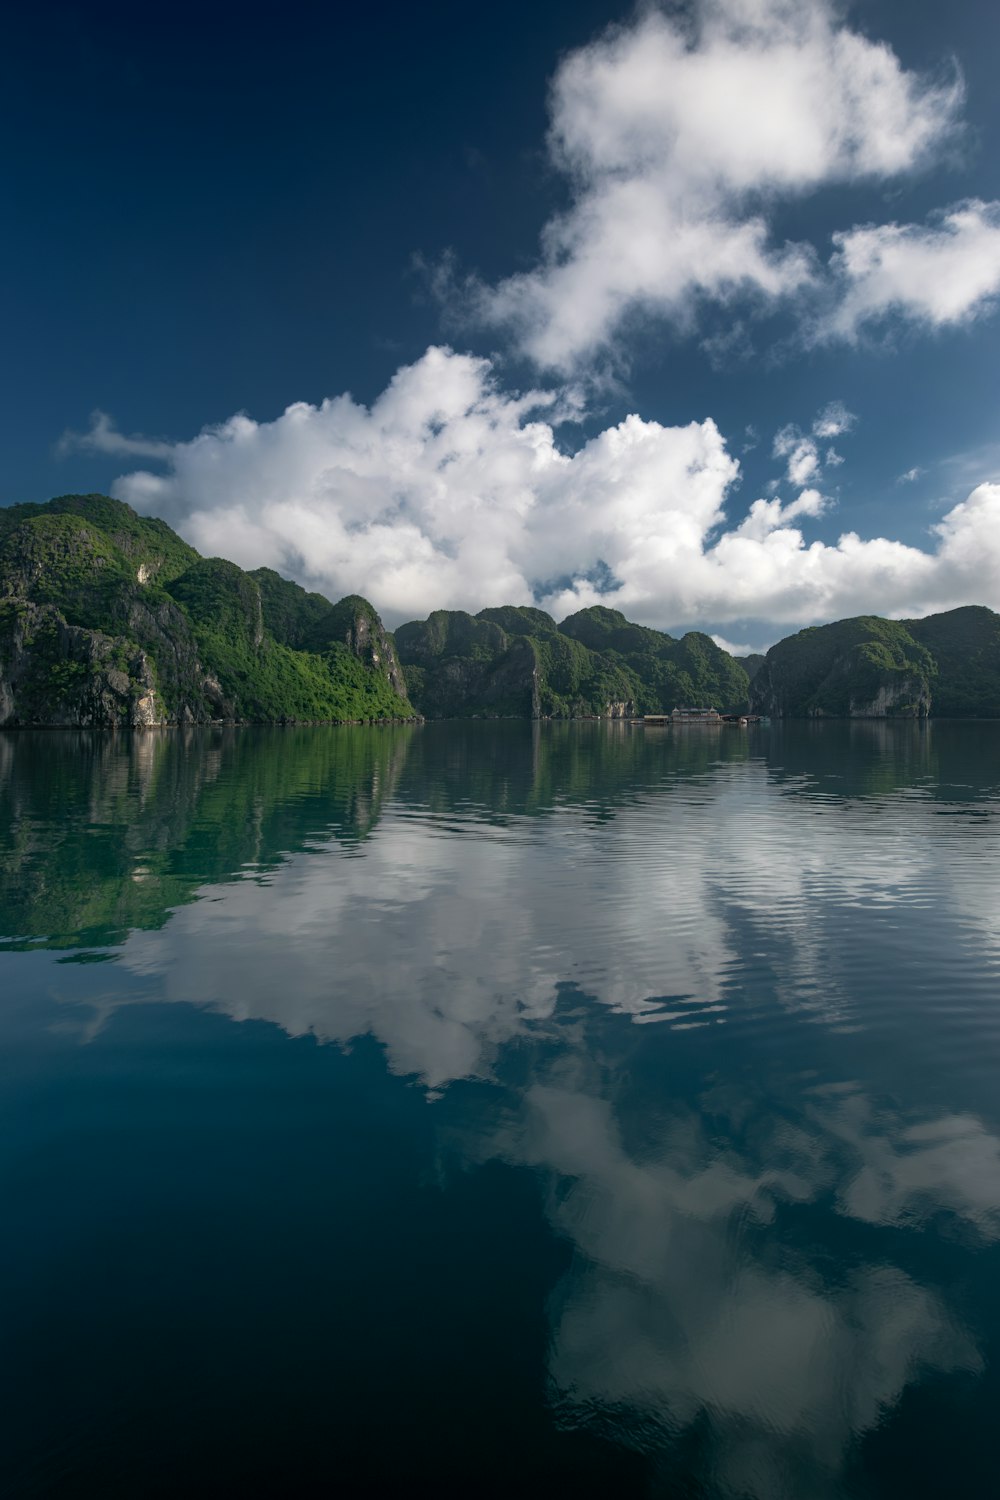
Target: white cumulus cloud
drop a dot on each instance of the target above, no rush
(938, 274)
(804, 463)
(678, 135)
(833, 421)
(801, 453)
(449, 492)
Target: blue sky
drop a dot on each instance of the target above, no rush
(644, 306)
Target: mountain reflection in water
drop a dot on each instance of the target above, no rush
(724, 1000)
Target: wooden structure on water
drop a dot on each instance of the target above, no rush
(685, 716)
(680, 717)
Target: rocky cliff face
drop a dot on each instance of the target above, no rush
(905, 696)
(459, 667)
(509, 662)
(143, 668)
(517, 662)
(947, 665)
(965, 645)
(354, 622)
(189, 693)
(52, 673)
(900, 695)
(107, 619)
(861, 668)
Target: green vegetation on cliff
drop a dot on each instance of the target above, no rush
(509, 662)
(965, 646)
(947, 665)
(264, 679)
(693, 671)
(516, 661)
(108, 618)
(292, 616)
(865, 667)
(136, 541)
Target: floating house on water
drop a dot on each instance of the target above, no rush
(685, 716)
(695, 716)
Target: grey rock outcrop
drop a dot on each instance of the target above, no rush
(52, 673)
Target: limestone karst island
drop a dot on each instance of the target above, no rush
(109, 620)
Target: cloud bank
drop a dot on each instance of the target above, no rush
(450, 492)
(679, 136)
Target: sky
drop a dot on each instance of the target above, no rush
(688, 309)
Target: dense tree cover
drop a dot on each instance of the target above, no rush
(292, 616)
(517, 660)
(947, 665)
(139, 539)
(846, 668)
(181, 637)
(965, 645)
(108, 617)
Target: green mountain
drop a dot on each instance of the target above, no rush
(751, 663)
(108, 618)
(693, 671)
(947, 665)
(965, 645)
(517, 662)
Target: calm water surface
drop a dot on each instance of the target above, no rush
(498, 1107)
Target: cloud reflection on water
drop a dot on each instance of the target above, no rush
(719, 900)
(683, 1306)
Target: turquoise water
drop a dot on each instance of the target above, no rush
(489, 1107)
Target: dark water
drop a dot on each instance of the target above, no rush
(486, 1109)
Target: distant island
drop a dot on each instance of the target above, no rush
(109, 620)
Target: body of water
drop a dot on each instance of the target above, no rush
(485, 1108)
